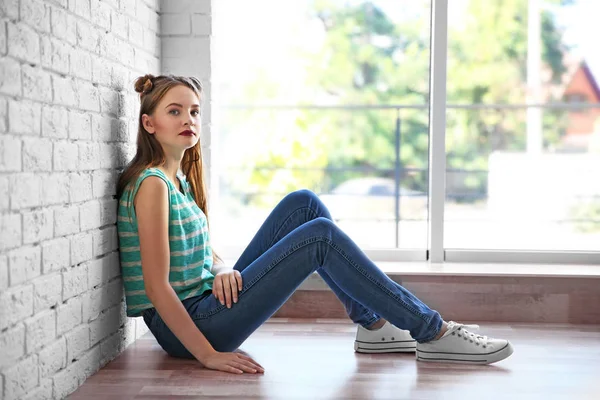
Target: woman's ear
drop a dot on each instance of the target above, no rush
(147, 123)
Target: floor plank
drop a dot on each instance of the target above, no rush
(314, 359)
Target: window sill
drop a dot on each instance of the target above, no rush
(490, 269)
(399, 270)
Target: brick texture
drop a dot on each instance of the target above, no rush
(186, 23)
(67, 127)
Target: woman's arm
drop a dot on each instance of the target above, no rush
(152, 209)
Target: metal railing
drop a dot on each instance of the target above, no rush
(399, 169)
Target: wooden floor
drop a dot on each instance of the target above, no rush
(314, 359)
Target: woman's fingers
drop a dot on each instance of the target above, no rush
(234, 285)
(223, 291)
(245, 367)
(233, 370)
(233, 363)
(250, 360)
(238, 278)
(217, 289)
(227, 290)
(227, 286)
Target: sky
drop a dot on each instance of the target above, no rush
(582, 29)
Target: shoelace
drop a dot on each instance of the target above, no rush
(460, 330)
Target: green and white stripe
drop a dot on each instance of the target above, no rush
(189, 244)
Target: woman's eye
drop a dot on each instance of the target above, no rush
(176, 112)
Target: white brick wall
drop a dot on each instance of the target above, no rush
(67, 127)
(186, 40)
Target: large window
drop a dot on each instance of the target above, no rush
(335, 96)
(521, 158)
(330, 96)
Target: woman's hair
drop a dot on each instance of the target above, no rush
(149, 152)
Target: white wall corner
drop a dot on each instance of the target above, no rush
(187, 44)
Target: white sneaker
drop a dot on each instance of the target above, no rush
(387, 339)
(458, 345)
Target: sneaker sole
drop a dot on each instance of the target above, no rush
(482, 359)
(389, 347)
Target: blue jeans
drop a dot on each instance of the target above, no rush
(298, 238)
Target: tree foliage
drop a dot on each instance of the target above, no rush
(367, 58)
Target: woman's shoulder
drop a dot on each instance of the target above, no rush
(156, 181)
(150, 171)
(153, 189)
(134, 185)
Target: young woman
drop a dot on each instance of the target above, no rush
(198, 308)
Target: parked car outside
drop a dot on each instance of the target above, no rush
(373, 198)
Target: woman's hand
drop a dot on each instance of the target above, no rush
(234, 363)
(227, 285)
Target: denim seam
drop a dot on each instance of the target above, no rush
(287, 219)
(306, 242)
(369, 278)
(249, 285)
(436, 332)
(371, 322)
(209, 314)
(246, 287)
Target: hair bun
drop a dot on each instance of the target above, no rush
(144, 84)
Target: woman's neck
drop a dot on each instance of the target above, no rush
(170, 168)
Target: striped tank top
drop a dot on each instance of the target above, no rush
(191, 253)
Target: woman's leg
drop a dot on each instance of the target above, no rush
(294, 210)
(274, 275)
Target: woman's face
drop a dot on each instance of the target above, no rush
(178, 112)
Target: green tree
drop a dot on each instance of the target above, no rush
(487, 64)
(368, 58)
(373, 60)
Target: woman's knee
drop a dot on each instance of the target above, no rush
(302, 196)
(306, 199)
(323, 224)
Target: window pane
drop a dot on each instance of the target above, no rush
(523, 177)
(316, 98)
